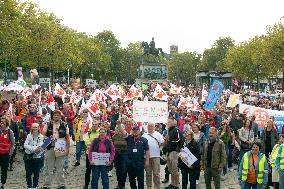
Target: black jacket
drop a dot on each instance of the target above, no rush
(195, 150)
(175, 140)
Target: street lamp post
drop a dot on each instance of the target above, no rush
(257, 77)
(5, 72)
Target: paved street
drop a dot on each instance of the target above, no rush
(75, 179)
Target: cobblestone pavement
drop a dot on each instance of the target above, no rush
(75, 179)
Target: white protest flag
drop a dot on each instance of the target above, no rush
(113, 92)
(175, 89)
(93, 106)
(159, 93)
(58, 91)
(98, 96)
(233, 100)
(133, 92)
(196, 107)
(51, 102)
(11, 109)
(121, 92)
(83, 106)
(185, 102)
(27, 92)
(89, 123)
(75, 98)
(204, 93)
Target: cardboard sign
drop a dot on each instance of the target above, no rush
(233, 100)
(100, 158)
(91, 83)
(187, 157)
(60, 147)
(150, 111)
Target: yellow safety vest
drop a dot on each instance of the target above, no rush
(282, 158)
(274, 154)
(259, 176)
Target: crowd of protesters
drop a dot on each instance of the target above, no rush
(221, 139)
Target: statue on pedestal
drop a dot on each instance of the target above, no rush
(151, 49)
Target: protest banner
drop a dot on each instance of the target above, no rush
(60, 147)
(214, 94)
(187, 157)
(150, 111)
(233, 100)
(100, 158)
(262, 115)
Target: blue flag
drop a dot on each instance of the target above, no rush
(214, 94)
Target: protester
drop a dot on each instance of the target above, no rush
(172, 146)
(246, 136)
(137, 146)
(190, 173)
(91, 135)
(275, 173)
(15, 128)
(111, 111)
(101, 145)
(121, 157)
(31, 117)
(7, 145)
(199, 137)
(155, 141)
(253, 169)
(32, 156)
(226, 137)
(58, 131)
(269, 138)
(81, 127)
(69, 117)
(279, 161)
(213, 159)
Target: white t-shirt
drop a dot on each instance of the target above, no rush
(154, 148)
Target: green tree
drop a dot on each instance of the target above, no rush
(184, 66)
(214, 58)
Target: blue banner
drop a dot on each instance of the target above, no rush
(214, 94)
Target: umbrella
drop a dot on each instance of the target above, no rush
(14, 87)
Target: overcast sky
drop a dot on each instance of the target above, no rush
(192, 25)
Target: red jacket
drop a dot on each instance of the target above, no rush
(5, 143)
(28, 120)
(69, 116)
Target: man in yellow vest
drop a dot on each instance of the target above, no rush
(279, 161)
(275, 173)
(253, 169)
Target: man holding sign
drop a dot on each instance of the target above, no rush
(101, 154)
